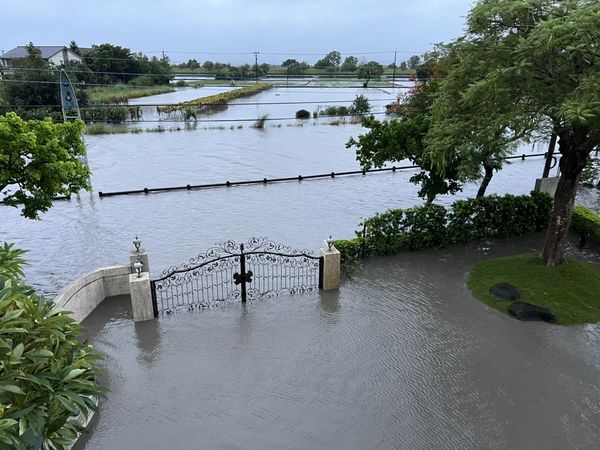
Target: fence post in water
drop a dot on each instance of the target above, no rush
(139, 283)
(331, 266)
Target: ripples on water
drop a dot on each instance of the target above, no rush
(83, 234)
(400, 357)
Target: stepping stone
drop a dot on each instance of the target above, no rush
(505, 291)
(527, 311)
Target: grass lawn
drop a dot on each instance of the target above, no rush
(572, 290)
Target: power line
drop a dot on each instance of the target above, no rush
(121, 105)
(158, 85)
(191, 122)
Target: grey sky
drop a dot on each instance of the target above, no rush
(293, 28)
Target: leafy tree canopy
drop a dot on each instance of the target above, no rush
(369, 71)
(523, 70)
(330, 61)
(40, 160)
(350, 64)
(402, 138)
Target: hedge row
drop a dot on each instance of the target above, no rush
(586, 224)
(434, 226)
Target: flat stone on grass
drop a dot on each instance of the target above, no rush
(527, 311)
(505, 291)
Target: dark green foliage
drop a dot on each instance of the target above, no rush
(433, 226)
(350, 64)
(350, 250)
(334, 111)
(586, 224)
(402, 138)
(369, 71)
(302, 114)
(360, 106)
(48, 376)
(330, 61)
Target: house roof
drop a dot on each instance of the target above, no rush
(21, 51)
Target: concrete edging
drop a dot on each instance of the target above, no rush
(84, 294)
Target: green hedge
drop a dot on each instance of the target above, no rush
(434, 226)
(586, 224)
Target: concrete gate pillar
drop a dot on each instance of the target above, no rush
(140, 290)
(331, 267)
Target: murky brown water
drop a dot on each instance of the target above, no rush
(401, 357)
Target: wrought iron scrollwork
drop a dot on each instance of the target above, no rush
(229, 272)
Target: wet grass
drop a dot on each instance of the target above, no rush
(120, 94)
(571, 290)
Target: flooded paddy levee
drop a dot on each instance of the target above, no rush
(401, 357)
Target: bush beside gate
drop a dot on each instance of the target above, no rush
(434, 226)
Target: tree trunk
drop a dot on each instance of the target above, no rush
(489, 173)
(571, 164)
(549, 155)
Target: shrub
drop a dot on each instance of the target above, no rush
(350, 250)
(586, 224)
(302, 114)
(260, 122)
(433, 226)
(48, 376)
(360, 106)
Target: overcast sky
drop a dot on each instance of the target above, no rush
(216, 29)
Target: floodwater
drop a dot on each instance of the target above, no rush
(80, 235)
(402, 357)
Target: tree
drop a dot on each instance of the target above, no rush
(208, 65)
(40, 160)
(294, 67)
(118, 63)
(402, 138)
(192, 64)
(29, 70)
(369, 71)
(360, 106)
(74, 47)
(350, 64)
(290, 62)
(48, 376)
(403, 65)
(413, 61)
(330, 61)
(525, 69)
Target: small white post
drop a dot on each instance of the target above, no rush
(141, 296)
(331, 267)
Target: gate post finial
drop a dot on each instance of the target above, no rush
(331, 265)
(139, 254)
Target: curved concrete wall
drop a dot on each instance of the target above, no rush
(83, 295)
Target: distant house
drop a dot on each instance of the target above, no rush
(54, 54)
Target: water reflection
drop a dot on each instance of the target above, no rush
(148, 337)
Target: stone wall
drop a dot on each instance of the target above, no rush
(83, 295)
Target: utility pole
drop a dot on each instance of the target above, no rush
(256, 66)
(394, 74)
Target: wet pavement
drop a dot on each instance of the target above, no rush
(401, 357)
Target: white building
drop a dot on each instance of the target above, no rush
(54, 54)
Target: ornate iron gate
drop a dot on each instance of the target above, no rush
(230, 272)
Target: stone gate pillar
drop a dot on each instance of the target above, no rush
(139, 284)
(331, 266)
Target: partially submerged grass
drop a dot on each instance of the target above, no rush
(120, 94)
(218, 99)
(570, 290)
(260, 122)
